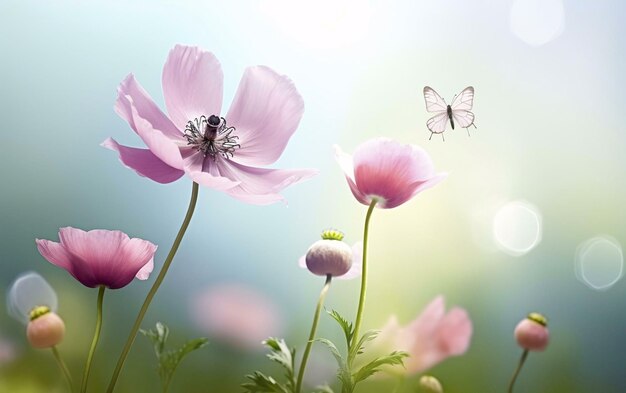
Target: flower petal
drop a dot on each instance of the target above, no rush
(165, 148)
(260, 186)
(144, 162)
(135, 259)
(265, 112)
(131, 94)
(54, 253)
(27, 292)
(145, 271)
(455, 332)
(192, 84)
(345, 163)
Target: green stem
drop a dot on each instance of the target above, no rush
(359, 313)
(309, 344)
(517, 370)
(63, 367)
(154, 289)
(94, 342)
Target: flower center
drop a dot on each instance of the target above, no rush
(211, 136)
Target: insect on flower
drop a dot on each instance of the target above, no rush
(459, 111)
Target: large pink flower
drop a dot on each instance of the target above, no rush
(100, 257)
(221, 152)
(429, 339)
(387, 170)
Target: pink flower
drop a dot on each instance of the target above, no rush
(100, 257)
(236, 314)
(429, 339)
(389, 171)
(220, 152)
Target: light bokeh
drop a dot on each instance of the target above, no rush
(550, 131)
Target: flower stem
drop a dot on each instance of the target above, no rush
(94, 342)
(63, 367)
(517, 370)
(309, 344)
(155, 288)
(359, 313)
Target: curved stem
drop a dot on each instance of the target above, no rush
(309, 344)
(517, 370)
(94, 342)
(359, 313)
(63, 367)
(155, 288)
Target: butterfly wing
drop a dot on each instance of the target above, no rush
(462, 117)
(464, 100)
(434, 102)
(437, 123)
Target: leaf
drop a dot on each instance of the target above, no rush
(346, 326)
(394, 358)
(344, 374)
(360, 345)
(281, 353)
(170, 360)
(262, 383)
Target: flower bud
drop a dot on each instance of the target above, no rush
(532, 332)
(430, 384)
(46, 329)
(329, 255)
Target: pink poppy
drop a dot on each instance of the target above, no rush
(100, 257)
(220, 152)
(430, 338)
(387, 170)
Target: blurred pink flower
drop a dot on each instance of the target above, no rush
(223, 153)
(357, 263)
(236, 314)
(387, 170)
(7, 351)
(429, 339)
(100, 257)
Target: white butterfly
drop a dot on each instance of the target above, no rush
(457, 113)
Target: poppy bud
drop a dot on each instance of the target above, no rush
(45, 329)
(532, 332)
(329, 255)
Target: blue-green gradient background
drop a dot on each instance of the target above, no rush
(551, 131)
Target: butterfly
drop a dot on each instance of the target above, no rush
(457, 113)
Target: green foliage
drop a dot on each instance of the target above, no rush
(346, 374)
(284, 356)
(169, 360)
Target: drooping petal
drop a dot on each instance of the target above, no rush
(144, 272)
(345, 163)
(266, 111)
(165, 148)
(55, 253)
(28, 291)
(144, 162)
(131, 94)
(192, 84)
(261, 186)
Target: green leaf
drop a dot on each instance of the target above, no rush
(343, 374)
(360, 345)
(394, 358)
(346, 326)
(169, 360)
(262, 383)
(281, 354)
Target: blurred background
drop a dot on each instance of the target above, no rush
(530, 218)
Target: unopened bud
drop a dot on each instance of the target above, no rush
(430, 384)
(532, 332)
(45, 330)
(329, 255)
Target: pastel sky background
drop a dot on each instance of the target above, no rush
(550, 114)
